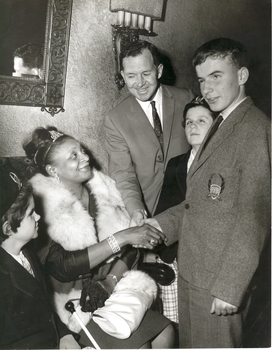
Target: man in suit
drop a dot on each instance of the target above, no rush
(137, 156)
(224, 222)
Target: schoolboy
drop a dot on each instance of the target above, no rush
(224, 222)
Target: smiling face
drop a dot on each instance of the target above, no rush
(197, 123)
(71, 162)
(221, 83)
(141, 75)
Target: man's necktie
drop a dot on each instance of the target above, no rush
(157, 125)
(213, 130)
(26, 264)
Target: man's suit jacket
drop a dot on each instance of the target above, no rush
(26, 318)
(224, 221)
(136, 161)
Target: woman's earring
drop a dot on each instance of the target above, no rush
(56, 177)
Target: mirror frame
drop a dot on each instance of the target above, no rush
(47, 93)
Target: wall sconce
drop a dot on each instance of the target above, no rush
(134, 18)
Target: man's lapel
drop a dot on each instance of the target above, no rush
(168, 118)
(141, 121)
(224, 131)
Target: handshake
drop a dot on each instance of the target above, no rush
(139, 218)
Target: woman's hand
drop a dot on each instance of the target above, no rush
(145, 236)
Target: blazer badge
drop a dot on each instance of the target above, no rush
(216, 186)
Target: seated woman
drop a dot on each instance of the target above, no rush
(86, 223)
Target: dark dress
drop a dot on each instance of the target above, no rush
(152, 324)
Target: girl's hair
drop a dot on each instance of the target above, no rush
(198, 101)
(44, 143)
(17, 211)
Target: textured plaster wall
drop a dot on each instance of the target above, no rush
(90, 88)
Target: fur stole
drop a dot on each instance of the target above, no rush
(68, 223)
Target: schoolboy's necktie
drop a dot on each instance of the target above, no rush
(157, 125)
(26, 264)
(213, 130)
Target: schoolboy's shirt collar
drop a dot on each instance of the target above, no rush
(225, 113)
(191, 159)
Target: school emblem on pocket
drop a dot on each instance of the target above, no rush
(216, 186)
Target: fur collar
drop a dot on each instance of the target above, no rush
(68, 223)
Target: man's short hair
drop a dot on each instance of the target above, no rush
(221, 48)
(136, 48)
(32, 55)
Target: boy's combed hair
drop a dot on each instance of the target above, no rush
(221, 48)
(17, 211)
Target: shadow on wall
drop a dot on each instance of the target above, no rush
(168, 76)
(258, 87)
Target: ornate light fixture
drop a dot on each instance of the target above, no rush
(134, 18)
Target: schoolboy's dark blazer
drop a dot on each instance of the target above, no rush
(26, 317)
(174, 184)
(173, 193)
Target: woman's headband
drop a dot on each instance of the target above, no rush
(54, 136)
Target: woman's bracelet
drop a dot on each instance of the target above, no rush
(114, 277)
(113, 244)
